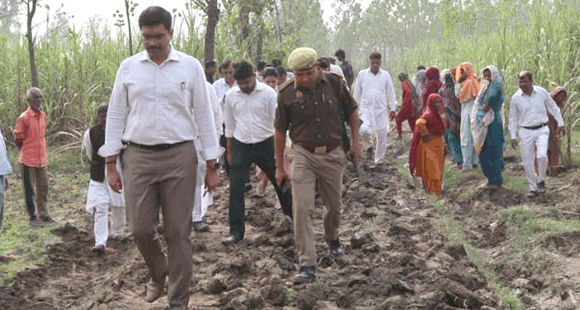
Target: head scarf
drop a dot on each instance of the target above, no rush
(302, 58)
(421, 79)
(484, 86)
(403, 76)
(433, 84)
(443, 73)
(452, 105)
(435, 126)
(470, 86)
(556, 91)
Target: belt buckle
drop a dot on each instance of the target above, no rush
(320, 149)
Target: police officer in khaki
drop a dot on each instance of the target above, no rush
(313, 107)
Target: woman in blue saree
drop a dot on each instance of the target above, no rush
(491, 157)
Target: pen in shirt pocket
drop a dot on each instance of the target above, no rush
(182, 85)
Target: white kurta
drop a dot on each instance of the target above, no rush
(204, 198)
(101, 198)
(373, 92)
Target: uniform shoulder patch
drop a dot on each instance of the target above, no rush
(285, 85)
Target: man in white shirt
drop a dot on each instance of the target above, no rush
(373, 90)
(221, 87)
(203, 196)
(100, 196)
(226, 82)
(249, 113)
(529, 114)
(158, 106)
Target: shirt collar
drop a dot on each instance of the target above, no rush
(533, 91)
(31, 112)
(258, 88)
(172, 56)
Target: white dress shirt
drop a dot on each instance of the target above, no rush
(218, 115)
(160, 104)
(249, 118)
(221, 88)
(373, 92)
(529, 111)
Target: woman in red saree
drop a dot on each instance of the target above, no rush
(427, 157)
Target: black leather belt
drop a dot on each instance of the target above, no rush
(156, 147)
(535, 127)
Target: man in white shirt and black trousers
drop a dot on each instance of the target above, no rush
(528, 113)
(249, 112)
(158, 106)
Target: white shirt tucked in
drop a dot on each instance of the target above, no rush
(249, 118)
(530, 111)
(160, 104)
(373, 92)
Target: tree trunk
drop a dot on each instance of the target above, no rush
(128, 14)
(31, 10)
(244, 18)
(260, 42)
(213, 15)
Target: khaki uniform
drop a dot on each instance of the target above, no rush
(316, 123)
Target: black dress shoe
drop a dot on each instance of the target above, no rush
(200, 226)
(541, 187)
(306, 274)
(335, 247)
(532, 194)
(231, 239)
(47, 219)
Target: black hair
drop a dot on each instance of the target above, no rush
(270, 72)
(323, 63)
(420, 67)
(155, 15)
(210, 63)
(527, 74)
(340, 53)
(102, 108)
(403, 76)
(243, 70)
(226, 64)
(261, 65)
(276, 63)
(281, 71)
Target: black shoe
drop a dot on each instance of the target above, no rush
(46, 219)
(336, 249)
(306, 274)
(200, 226)
(34, 221)
(532, 194)
(98, 249)
(541, 187)
(232, 239)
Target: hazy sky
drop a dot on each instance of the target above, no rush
(82, 10)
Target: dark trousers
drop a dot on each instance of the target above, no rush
(35, 179)
(262, 154)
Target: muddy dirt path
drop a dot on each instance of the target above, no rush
(396, 258)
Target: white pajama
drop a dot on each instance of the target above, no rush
(203, 197)
(374, 93)
(534, 141)
(100, 198)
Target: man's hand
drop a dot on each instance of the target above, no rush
(212, 177)
(561, 131)
(514, 144)
(113, 177)
(354, 152)
(281, 175)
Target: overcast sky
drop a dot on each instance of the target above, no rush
(82, 10)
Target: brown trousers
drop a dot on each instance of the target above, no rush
(306, 169)
(165, 179)
(35, 179)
